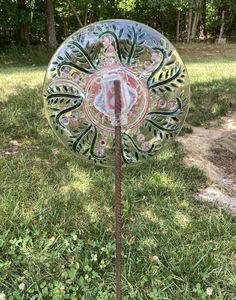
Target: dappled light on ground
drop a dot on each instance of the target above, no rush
(80, 181)
(57, 213)
(182, 219)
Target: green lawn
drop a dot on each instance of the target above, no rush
(56, 213)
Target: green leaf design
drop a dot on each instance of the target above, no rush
(132, 152)
(88, 135)
(161, 123)
(113, 34)
(169, 80)
(134, 45)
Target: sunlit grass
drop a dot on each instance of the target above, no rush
(14, 79)
(57, 212)
(210, 70)
(213, 89)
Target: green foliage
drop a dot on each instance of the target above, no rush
(214, 9)
(19, 16)
(26, 21)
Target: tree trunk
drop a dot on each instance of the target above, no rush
(24, 34)
(190, 17)
(178, 27)
(222, 25)
(195, 25)
(51, 28)
(66, 30)
(24, 29)
(186, 24)
(86, 15)
(75, 13)
(203, 33)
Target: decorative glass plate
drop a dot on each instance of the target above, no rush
(79, 91)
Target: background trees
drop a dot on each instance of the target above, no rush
(50, 21)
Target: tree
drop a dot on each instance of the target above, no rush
(178, 26)
(24, 20)
(75, 12)
(51, 30)
(24, 29)
(195, 19)
(222, 24)
(203, 33)
(189, 20)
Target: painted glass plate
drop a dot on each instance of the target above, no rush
(79, 91)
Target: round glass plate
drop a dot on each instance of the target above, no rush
(79, 91)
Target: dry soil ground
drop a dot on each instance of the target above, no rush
(213, 150)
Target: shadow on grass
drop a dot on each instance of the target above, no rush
(57, 211)
(211, 100)
(17, 55)
(23, 70)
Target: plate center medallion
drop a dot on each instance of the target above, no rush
(100, 98)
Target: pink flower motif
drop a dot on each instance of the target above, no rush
(162, 103)
(141, 138)
(147, 65)
(65, 121)
(66, 71)
(100, 152)
(74, 116)
(103, 143)
(106, 41)
(146, 146)
(155, 57)
(110, 50)
(75, 76)
(172, 104)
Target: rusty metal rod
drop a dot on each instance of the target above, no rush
(117, 87)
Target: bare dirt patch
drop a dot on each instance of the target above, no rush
(213, 150)
(223, 159)
(204, 50)
(12, 150)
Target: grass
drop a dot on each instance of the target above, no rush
(213, 89)
(57, 213)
